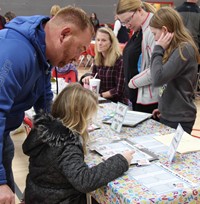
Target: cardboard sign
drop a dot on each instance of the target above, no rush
(175, 142)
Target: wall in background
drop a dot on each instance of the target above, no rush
(105, 9)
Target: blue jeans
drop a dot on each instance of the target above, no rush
(8, 155)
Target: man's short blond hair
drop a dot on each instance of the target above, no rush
(75, 16)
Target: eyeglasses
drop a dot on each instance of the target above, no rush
(128, 20)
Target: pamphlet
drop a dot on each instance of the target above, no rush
(119, 146)
(159, 179)
(149, 142)
(119, 116)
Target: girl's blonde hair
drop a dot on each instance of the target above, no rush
(75, 106)
(171, 19)
(113, 53)
(54, 10)
(124, 6)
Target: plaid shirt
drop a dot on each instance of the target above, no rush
(112, 79)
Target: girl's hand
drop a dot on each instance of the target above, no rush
(156, 113)
(165, 40)
(128, 155)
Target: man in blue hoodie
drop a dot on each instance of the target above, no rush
(29, 46)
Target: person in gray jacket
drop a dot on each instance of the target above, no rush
(174, 67)
(56, 147)
(190, 13)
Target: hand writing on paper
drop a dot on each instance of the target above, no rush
(165, 40)
(128, 155)
(156, 113)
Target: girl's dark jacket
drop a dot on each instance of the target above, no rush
(57, 171)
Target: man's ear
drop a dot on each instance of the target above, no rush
(65, 33)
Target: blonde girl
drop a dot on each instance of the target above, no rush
(56, 147)
(76, 107)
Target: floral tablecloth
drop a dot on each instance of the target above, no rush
(125, 189)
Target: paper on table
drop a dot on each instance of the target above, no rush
(159, 179)
(101, 99)
(93, 127)
(118, 146)
(187, 143)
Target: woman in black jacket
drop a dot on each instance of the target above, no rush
(56, 146)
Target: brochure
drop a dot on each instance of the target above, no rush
(119, 146)
(159, 179)
(149, 142)
(118, 117)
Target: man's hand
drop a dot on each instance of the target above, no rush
(6, 195)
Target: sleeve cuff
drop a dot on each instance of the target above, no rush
(2, 175)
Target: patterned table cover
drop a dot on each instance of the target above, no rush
(126, 190)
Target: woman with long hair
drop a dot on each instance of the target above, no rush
(94, 21)
(136, 15)
(108, 66)
(174, 67)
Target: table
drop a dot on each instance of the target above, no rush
(126, 190)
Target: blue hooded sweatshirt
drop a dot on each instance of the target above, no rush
(24, 74)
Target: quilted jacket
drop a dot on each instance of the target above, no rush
(57, 171)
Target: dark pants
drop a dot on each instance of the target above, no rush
(8, 155)
(187, 126)
(146, 108)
